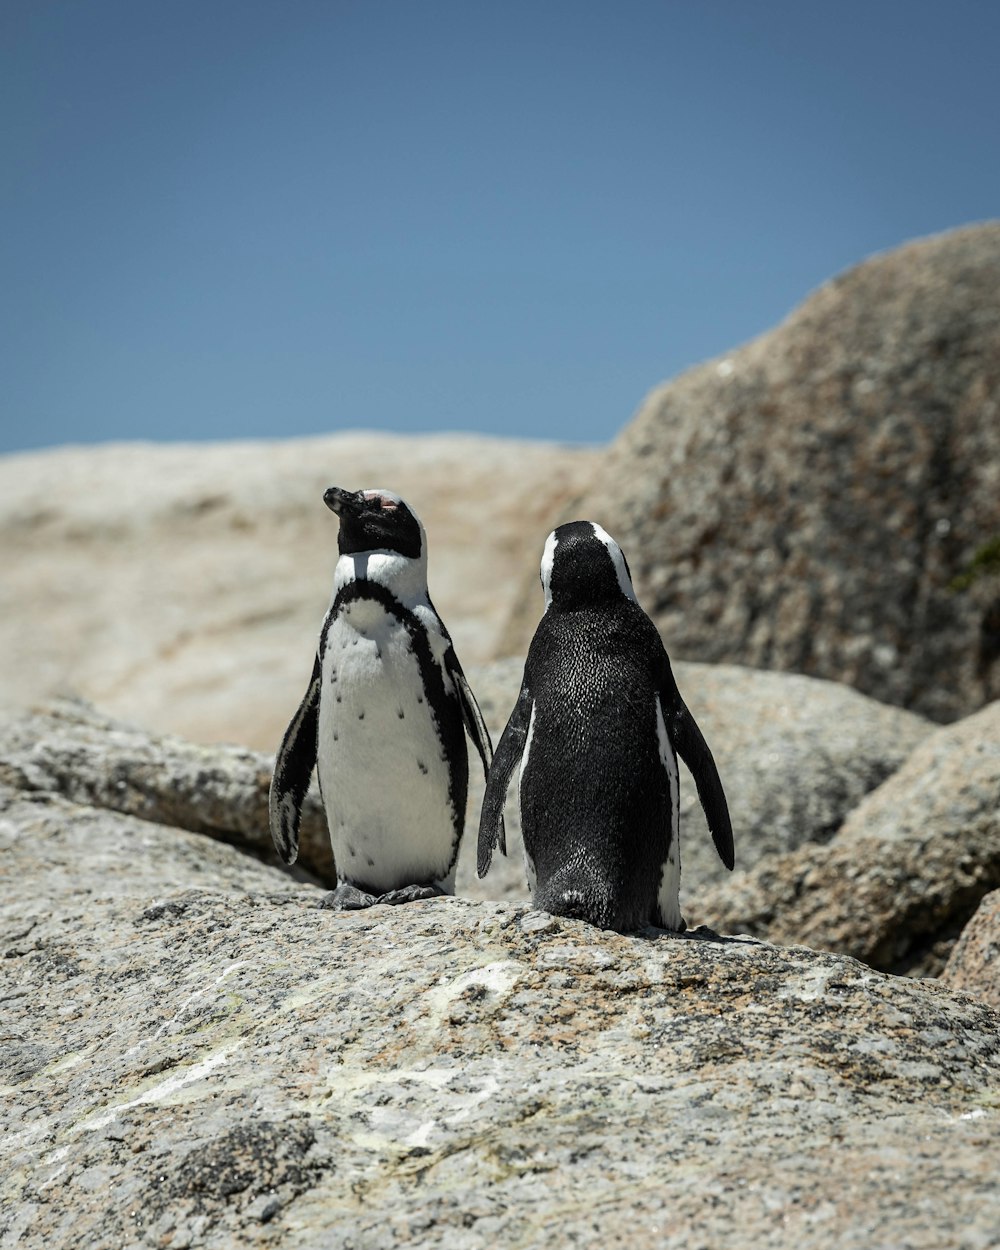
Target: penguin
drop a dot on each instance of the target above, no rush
(383, 719)
(597, 728)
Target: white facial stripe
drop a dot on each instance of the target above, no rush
(615, 552)
(406, 578)
(391, 496)
(390, 501)
(548, 556)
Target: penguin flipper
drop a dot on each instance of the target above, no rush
(293, 768)
(687, 740)
(510, 748)
(471, 714)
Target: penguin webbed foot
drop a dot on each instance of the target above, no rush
(410, 894)
(675, 924)
(347, 897)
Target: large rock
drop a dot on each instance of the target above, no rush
(195, 1055)
(904, 872)
(826, 499)
(897, 905)
(71, 749)
(974, 965)
(182, 587)
(951, 779)
(795, 754)
(801, 756)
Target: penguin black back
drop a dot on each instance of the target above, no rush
(593, 787)
(596, 727)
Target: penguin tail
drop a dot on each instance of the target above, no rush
(575, 902)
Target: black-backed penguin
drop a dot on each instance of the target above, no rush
(597, 728)
(383, 719)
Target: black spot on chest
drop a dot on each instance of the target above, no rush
(434, 689)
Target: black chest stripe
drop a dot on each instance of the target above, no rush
(444, 707)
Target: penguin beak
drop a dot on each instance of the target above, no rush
(343, 502)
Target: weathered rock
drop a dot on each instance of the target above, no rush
(53, 849)
(182, 587)
(905, 871)
(197, 1055)
(795, 755)
(897, 905)
(71, 749)
(826, 499)
(974, 965)
(951, 779)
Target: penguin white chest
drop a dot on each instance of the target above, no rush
(383, 771)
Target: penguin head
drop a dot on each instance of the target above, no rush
(375, 520)
(582, 565)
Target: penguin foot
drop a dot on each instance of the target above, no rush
(672, 924)
(410, 893)
(347, 897)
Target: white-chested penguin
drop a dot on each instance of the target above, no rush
(383, 719)
(597, 728)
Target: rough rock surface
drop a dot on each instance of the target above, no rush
(905, 871)
(795, 755)
(182, 587)
(71, 749)
(951, 779)
(195, 1055)
(826, 499)
(898, 905)
(975, 962)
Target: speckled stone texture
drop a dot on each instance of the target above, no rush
(950, 779)
(796, 754)
(815, 500)
(904, 872)
(899, 905)
(197, 1056)
(70, 748)
(975, 962)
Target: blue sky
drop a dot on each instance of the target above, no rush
(233, 219)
